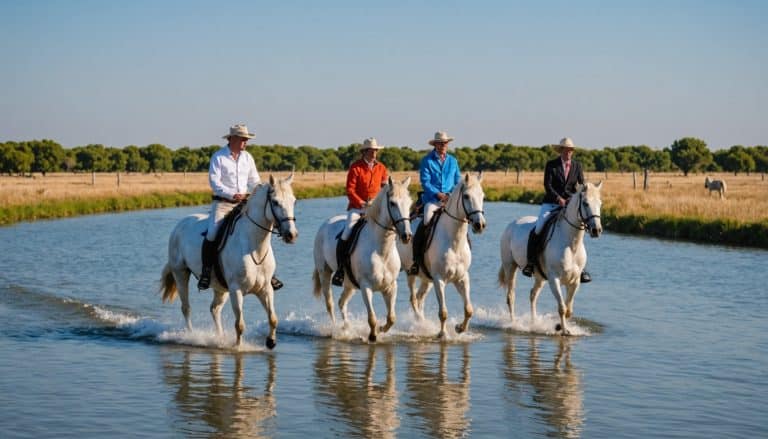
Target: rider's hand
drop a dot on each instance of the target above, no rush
(442, 197)
(561, 201)
(238, 197)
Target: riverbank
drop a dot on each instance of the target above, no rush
(673, 206)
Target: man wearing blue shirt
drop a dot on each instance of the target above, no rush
(438, 173)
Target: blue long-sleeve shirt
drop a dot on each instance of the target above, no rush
(437, 176)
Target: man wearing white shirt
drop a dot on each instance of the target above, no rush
(232, 175)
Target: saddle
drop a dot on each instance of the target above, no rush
(543, 238)
(347, 247)
(225, 230)
(421, 245)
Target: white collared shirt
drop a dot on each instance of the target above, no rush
(228, 176)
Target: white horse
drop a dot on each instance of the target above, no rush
(715, 186)
(247, 260)
(564, 256)
(448, 255)
(375, 263)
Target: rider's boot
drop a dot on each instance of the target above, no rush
(338, 276)
(418, 250)
(533, 243)
(208, 255)
(585, 277)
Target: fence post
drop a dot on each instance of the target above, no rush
(93, 178)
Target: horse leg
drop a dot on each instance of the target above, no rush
(390, 296)
(443, 313)
(236, 296)
(325, 286)
(346, 293)
(462, 286)
(421, 295)
(267, 299)
(368, 299)
(219, 299)
(538, 283)
(554, 285)
(411, 279)
(572, 289)
(182, 284)
(510, 274)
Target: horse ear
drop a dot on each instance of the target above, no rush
(289, 179)
(407, 181)
(599, 185)
(271, 179)
(466, 178)
(389, 181)
(580, 187)
(480, 175)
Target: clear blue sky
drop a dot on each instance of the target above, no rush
(330, 73)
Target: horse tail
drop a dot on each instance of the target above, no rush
(316, 283)
(168, 285)
(502, 276)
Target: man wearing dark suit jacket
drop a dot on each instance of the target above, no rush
(560, 178)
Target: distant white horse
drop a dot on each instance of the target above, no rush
(247, 260)
(448, 255)
(715, 186)
(375, 263)
(564, 256)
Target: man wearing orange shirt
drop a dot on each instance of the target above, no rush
(364, 179)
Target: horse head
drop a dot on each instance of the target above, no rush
(469, 194)
(588, 207)
(392, 206)
(277, 201)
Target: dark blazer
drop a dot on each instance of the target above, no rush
(555, 183)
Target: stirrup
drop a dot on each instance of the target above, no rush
(585, 277)
(338, 278)
(528, 270)
(205, 280)
(276, 284)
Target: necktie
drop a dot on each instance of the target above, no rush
(567, 168)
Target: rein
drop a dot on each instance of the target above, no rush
(395, 222)
(270, 201)
(467, 213)
(582, 220)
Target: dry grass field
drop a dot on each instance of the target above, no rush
(670, 194)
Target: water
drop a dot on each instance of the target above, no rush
(672, 344)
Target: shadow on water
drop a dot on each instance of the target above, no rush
(433, 395)
(553, 384)
(212, 397)
(347, 385)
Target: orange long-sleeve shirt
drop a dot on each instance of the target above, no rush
(363, 183)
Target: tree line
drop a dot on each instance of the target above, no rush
(688, 154)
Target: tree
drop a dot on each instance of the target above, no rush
(48, 155)
(392, 158)
(15, 158)
(158, 156)
(116, 159)
(690, 154)
(184, 160)
(134, 162)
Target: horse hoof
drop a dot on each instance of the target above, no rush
(372, 338)
(271, 343)
(558, 327)
(459, 329)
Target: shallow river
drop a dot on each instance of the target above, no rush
(672, 344)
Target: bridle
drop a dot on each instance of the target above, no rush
(271, 202)
(395, 222)
(582, 218)
(467, 213)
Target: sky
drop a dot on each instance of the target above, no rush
(331, 73)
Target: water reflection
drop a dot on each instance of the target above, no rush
(212, 399)
(558, 393)
(360, 396)
(442, 402)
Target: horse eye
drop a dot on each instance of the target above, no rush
(393, 204)
(466, 197)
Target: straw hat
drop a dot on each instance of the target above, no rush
(369, 143)
(239, 130)
(440, 137)
(566, 142)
